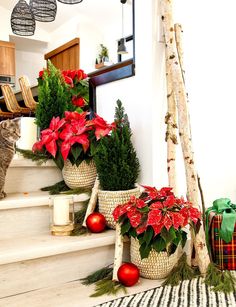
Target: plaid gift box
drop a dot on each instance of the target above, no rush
(223, 254)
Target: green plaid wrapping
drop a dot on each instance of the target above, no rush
(223, 254)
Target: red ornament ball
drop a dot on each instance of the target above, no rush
(96, 222)
(128, 274)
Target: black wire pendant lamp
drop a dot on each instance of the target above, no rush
(121, 44)
(44, 10)
(22, 19)
(70, 1)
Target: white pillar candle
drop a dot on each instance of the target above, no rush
(61, 211)
(28, 133)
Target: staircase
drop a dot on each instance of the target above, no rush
(31, 259)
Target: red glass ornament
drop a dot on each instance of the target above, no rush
(128, 274)
(96, 222)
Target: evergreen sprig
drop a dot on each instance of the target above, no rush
(116, 159)
(97, 276)
(53, 96)
(222, 281)
(109, 287)
(182, 271)
(38, 157)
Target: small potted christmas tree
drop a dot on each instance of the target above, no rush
(117, 167)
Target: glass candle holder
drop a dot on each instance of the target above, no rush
(62, 215)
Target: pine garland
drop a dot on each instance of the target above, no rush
(222, 281)
(97, 275)
(37, 156)
(78, 220)
(182, 271)
(103, 282)
(109, 287)
(61, 187)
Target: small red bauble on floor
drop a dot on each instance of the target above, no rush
(96, 222)
(128, 274)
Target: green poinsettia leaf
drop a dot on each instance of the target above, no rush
(144, 209)
(125, 227)
(184, 238)
(178, 238)
(76, 151)
(159, 244)
(144, 250)
(133, 233)
(168, 235)
(148, 235)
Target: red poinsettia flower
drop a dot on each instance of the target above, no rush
(69, 81)
(190, 213)
(102, 128)
(41, 74)
(50, 136)
(74, 133)
(38, 146)
(78, 101)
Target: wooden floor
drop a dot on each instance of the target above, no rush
(71, 294)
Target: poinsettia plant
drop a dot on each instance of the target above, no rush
(78, 87)
(157, 219)
(74, 137)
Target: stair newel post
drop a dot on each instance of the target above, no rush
(178, 85)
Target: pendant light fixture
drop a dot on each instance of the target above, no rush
(121, 44)
(22, 19)
(70, 1)
(44, 10)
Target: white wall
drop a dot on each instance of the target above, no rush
(209, 34)
(28, 62)
(90, 38)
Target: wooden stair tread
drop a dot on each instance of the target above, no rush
(32, 199)
(22, 249)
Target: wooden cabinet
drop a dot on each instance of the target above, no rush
(7, 59)
(66, 56)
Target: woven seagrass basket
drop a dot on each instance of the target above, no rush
(82, 176)
(157, 265)
(108, 200)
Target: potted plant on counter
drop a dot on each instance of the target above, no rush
(72, 141)
(117, 167)
(155, 223)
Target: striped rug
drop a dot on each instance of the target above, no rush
(188, 293)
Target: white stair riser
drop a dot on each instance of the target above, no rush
(40, 273)
(26, 221)
(28, 179)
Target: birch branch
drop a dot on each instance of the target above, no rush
(202, 255)
(119, 246)
(171, 128)
(92, 202)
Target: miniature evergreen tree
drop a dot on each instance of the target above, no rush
(116, 160)
(52, 96)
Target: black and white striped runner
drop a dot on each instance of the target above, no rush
(186, 294)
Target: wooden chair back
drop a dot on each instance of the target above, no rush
(27, 93)
(11, 101)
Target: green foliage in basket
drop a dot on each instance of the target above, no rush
(52, 96)
(156, 219)
(116, 159)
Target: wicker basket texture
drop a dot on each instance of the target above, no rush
(157, 265)
(108, 200)
(82, 176)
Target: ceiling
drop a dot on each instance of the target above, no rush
(97, 11)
